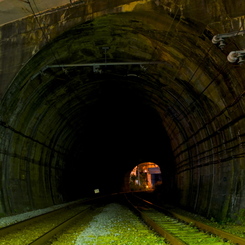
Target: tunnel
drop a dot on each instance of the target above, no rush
(142, 81)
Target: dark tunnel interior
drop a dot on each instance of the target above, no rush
(120, 130)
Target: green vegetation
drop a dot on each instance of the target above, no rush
(241, 216)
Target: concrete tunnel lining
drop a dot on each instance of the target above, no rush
(189, 107)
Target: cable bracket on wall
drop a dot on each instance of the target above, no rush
(97, 66)
(236, 56)
(220, 38)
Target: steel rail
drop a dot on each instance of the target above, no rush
(233, 238)
(218, 232)
(166, 234)
(20, 225)
(171, 238)
(24, 223)
(56, 230)
(11, 229)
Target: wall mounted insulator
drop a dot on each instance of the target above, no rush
(97, 69)
(236, 56)
(220, 38)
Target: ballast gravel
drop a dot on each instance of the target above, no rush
(116, 224)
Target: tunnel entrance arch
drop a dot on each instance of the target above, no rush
(45, 110)
(71, 125)
(145, 176)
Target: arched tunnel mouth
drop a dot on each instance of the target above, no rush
(72, 123)
(80, 128)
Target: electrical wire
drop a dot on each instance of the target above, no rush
(41, 28)
(55, 58)
(198, 67)
(175, 16)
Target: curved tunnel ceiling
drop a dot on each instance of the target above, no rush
(109, 117)
(101, 120)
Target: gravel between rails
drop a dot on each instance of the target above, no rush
(116, 224)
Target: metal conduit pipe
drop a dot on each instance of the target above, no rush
(236, 56)
(219, 38)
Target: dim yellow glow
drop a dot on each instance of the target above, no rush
(145, 176)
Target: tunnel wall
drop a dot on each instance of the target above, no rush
(23, 38)
(210, 155)
(203, 111)
(31, 167)
(32, 159)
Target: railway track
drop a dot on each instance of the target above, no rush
(178, 229)
(175, 228)
(106, 220)
(40, 229)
